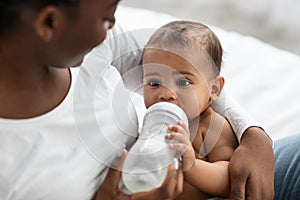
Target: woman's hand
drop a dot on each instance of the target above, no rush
(171, 187)
(109, 189)
(251, 167)
(181, 134)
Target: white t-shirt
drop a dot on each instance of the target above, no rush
(64, 153)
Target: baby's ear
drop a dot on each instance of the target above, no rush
(216, 86)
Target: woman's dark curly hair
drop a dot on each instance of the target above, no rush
(9, 13)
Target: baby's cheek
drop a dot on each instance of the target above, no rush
(191, 110)
(190, 107)
(149, 100)
(192, 113)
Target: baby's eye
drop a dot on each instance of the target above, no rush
(183, 82)
(154, 83)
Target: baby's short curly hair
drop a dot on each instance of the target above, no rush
(186, 35)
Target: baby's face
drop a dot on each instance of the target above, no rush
(172, 78)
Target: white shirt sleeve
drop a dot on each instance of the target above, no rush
(237, 117)
(126, 50)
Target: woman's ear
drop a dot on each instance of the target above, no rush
(216, 86)
(47, 22)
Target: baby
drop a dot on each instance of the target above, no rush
(181, 65)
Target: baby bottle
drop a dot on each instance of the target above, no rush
(147, 162)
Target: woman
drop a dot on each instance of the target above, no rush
(43, 153)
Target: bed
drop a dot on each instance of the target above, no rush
(261, 78)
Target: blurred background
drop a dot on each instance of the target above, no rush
(273, 21)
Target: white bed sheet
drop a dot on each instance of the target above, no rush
(263, 79)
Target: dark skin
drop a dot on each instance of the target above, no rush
(22, 95)
(252, 180)
(23, 100)
(30, 87)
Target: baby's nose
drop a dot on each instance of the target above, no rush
(167, 94)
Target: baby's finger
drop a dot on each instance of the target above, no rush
(178, 137)
(174, 128)
(180, 123)
(179, 129)
(179, 147)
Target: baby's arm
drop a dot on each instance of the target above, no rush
(219, 145)
(211, 178)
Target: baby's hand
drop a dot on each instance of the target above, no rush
(181, 134)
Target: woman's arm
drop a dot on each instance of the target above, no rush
(237, 117)
(251, 167)
(123, 49)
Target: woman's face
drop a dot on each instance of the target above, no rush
(173, 78)
(80, 32)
